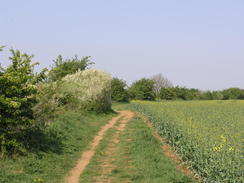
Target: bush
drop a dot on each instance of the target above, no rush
(17, 89)
(119, 92)
(167, 94)
(63, 67)
(88, 90)
(91, 89)
(142, 90)
(51, 99)
(232, 93)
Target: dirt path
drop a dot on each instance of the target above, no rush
(75, 173)
(107, 164)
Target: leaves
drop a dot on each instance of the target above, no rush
(17, 98)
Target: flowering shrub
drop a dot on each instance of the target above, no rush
(91, 88)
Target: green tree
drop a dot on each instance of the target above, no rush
(63, 67)
(232, 93)
(217, 95)
(167, 94)
(142, 90)
(119, 92)
(160, 82)
(17, 89)
(207, 95)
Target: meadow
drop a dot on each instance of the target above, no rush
(208, 135)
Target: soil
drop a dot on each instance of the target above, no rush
(74, 174)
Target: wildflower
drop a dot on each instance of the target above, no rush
(231, 149)
(223, 138)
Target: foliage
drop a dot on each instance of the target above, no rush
(207, 134)
(167, 94)
(179, 93)
(119, 92)
(90, 88)
(51, 99)
(142, 90)
(233, 93)
(160, 82)
(63, 67)
(17, 89)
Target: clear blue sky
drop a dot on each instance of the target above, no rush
(195, 43)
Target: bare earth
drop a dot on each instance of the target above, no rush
(74, 174)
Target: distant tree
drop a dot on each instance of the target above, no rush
(63, 67)
(181, 93)
(119, 92)
(206, 95)
(242, 94)
(142, 90)
(160, 82)
(217, 95)
(232, 93)
(193, 94)
(167, 94)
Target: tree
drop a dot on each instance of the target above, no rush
(63, 67)
(17, 89)
(119, 92)
(207, 95)
(167, 94)
(142, 90)
(160, 82)
(232, 93)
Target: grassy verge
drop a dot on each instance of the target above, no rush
(59, 148)
(139, 157)
(145, 155)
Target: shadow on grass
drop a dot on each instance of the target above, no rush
(42, 139)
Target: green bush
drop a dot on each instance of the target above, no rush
(142, 90)
(17, 97)
(232, 93)
(50, 100)
(119, 92)
(63, 67)
(167, 94)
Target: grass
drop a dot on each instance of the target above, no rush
(207, 134)
(145, 155)
(58, 149)
(139, 157)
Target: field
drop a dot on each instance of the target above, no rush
(207, 134)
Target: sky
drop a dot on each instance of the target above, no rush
(193, 43)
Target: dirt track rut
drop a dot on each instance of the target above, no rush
(75, 173)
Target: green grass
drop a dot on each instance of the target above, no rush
(208, 134)
(58, 149)
(146, 157)
(139, 157)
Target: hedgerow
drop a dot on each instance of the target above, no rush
(17, 97)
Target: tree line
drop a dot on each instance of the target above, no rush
(159, 87)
